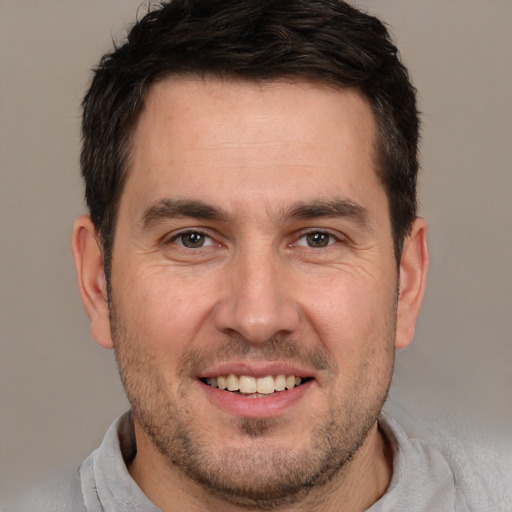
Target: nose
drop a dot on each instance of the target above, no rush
(258, 300)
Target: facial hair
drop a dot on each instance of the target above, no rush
(261, 475)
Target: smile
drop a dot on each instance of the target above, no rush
(254, 386)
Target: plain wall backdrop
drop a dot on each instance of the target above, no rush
(60, 391)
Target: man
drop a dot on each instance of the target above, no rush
(254, 257)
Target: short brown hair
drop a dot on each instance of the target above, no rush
(325, 41)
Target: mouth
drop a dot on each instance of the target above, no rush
(255, 387)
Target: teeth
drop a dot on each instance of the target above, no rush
(265, 385)
(232, 382)
(280, 383)
(221, 382)
(290, 382)
(247, 384)
(250, 385)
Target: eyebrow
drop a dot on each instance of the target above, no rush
(338, 208)
(166, 209)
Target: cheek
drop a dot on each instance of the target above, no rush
(356, 326)
(352, 315)
(164, 310)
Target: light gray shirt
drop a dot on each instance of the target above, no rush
(422, 479)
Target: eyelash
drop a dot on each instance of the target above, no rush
(332, 239)
(175, 238)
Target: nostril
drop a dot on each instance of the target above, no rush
(257, 307)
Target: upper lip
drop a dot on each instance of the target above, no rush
(256, 369)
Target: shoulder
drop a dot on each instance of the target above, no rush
(480, 467)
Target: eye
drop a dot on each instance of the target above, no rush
(192, 239)
(317, 239)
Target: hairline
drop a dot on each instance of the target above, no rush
(126, 145)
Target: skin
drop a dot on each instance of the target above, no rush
(269, 282)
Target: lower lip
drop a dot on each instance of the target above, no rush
(263, 407)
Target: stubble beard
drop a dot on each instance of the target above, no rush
(266, 476)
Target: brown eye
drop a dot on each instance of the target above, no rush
(318, 239)
(193, 240)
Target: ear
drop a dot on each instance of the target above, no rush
(88, 257)
(413, 274)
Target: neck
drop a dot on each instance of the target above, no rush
(359, 485)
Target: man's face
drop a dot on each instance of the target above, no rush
(254, 246)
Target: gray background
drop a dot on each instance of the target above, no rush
(60, 391)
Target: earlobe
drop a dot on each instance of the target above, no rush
(413, 274)
(90, 273)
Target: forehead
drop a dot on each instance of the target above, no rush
(268, 142)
